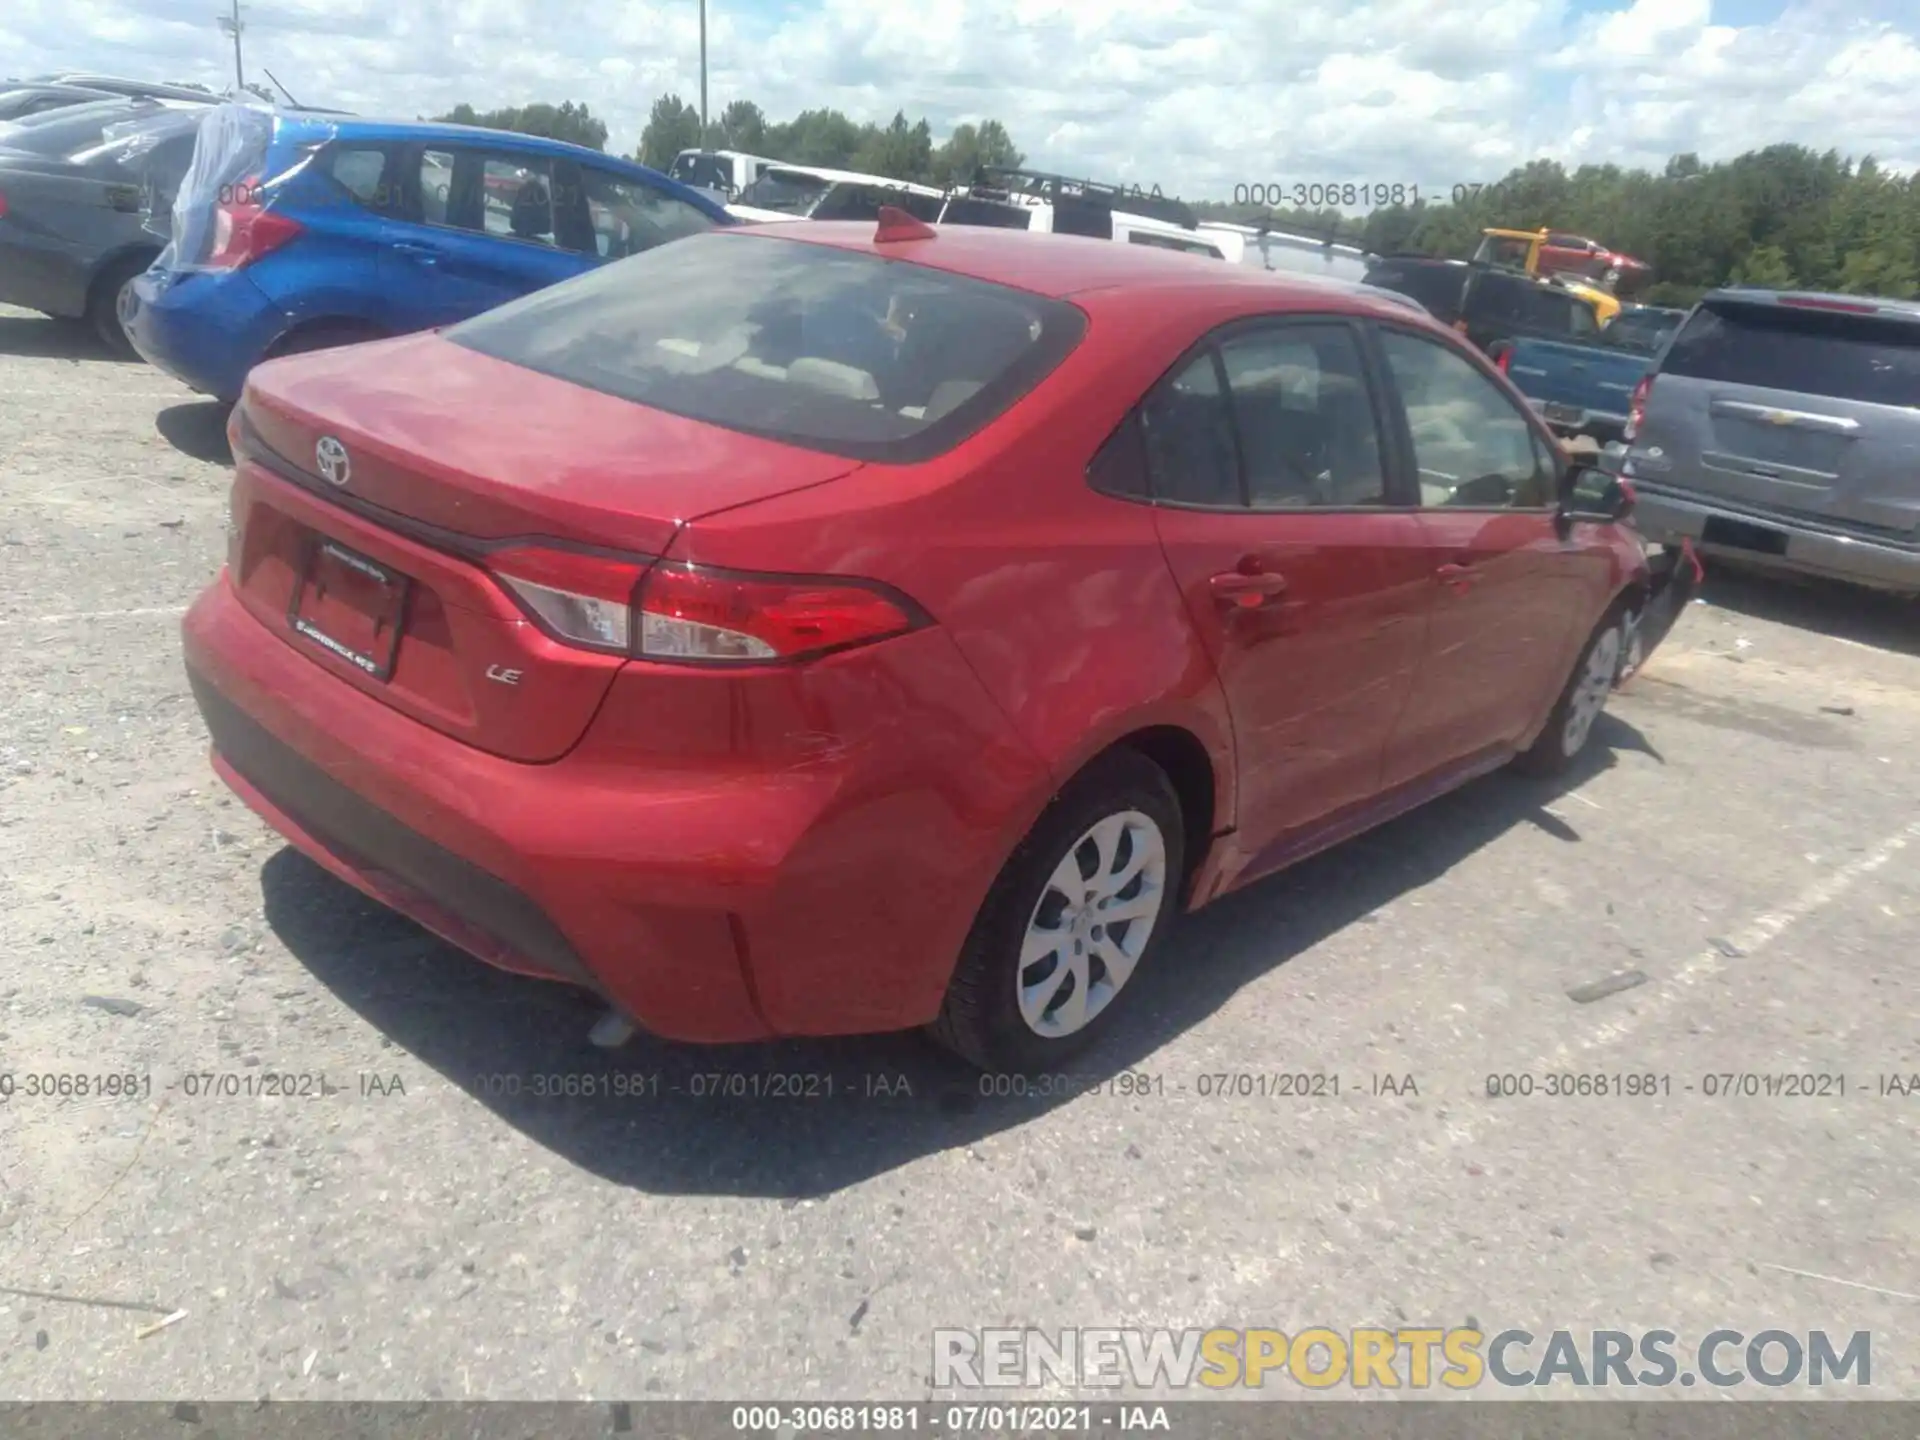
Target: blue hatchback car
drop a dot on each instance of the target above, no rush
(299, 231)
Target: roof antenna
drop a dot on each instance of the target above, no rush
(281, 88)
(896, 224)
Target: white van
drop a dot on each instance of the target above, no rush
(723, 173)
(1292, 254)
(810, 192)
(1079, 208)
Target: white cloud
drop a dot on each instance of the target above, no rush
(1193, 95)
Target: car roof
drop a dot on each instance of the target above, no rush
(304, 123)
(1067, 266)
(1884, 307)
(853, 177)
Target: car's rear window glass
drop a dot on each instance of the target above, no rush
(1437, 287)
(849, 353)
(1815, 352)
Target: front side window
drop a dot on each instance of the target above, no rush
(1471, 445)
(628, 217)
(815, 346)
(1304, 416)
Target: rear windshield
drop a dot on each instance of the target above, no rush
(784, 190)
(1640, 334)
(869, 358)
(714, 172)
(1815, 352)
(964, 210)
(1437, 287)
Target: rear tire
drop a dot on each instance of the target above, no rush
(1047, 963)
(1570, 726)
(103, 302)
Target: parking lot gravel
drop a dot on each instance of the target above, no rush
(1729, 887)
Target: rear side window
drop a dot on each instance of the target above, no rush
(1192, 455)
(808, 344)
(1304, 417)
(1815, 352)
(364, 174)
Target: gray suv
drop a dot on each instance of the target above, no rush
(1783, 429)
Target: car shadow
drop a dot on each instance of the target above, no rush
(41, 337)
(197, 429)
(1827, 607)
(804, 1118)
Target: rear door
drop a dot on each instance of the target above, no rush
(1792, 407)
(1302, 569)
(486, 233)
(1508, 590)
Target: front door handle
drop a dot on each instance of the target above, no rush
(1248, 587)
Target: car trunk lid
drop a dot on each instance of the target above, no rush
(1800, 405)
(381, 488)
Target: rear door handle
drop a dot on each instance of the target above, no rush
(424, 254)
(1247, 588)
(1458, 577)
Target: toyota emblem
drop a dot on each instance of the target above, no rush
(331, 456)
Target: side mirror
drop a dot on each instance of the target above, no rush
(1590, 493)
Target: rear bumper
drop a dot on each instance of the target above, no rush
(1669, 516)
(38, 275)
(712, 902)
(207, 330)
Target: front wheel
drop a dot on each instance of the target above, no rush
(1075, 913)
(1570, 726)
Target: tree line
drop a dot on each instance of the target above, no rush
(1782, 217)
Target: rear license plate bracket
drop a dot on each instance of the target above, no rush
(351, 607)
(1565, 414)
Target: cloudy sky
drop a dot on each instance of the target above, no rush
(1196, 96)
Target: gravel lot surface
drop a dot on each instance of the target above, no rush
(1747, 837)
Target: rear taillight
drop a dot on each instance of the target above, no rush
(581, 598)
(3, 204)
(1504, 360)
(670, 611)
(1637, 407)
(244, 230)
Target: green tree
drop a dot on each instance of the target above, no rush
(566, 121)
(968, 148)
(741, 126)
(672, 126)
(1764, 267)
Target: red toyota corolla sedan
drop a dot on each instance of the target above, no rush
(819, 629)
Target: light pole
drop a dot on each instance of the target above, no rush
(231, 25)
(703, 74)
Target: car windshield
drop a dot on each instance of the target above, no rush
(788, 191)
(810, 344)
(1812, 351)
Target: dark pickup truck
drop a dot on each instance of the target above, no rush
(1584, 387)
